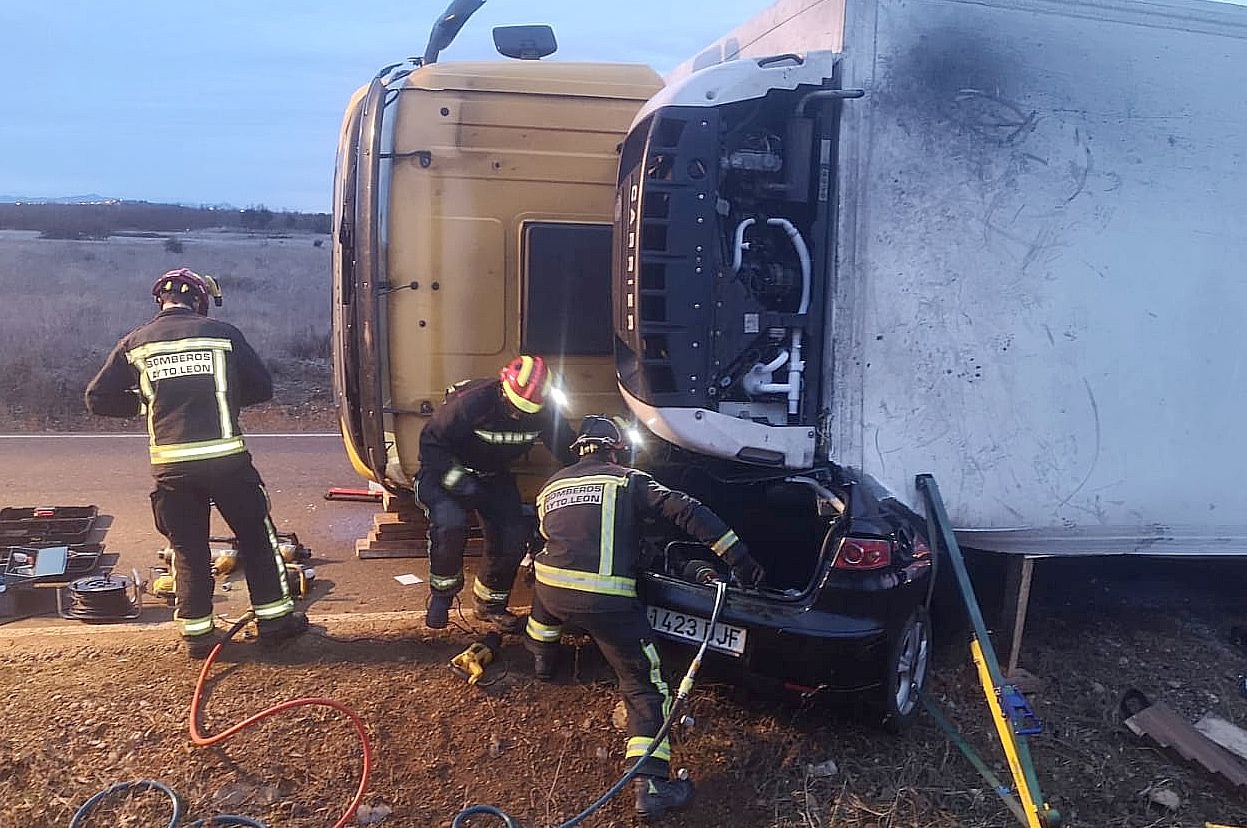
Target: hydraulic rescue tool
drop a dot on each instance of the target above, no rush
(471, 663)
(162, 580)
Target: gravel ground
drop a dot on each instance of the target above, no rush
(82, 712)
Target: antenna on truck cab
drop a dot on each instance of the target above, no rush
(447, 27)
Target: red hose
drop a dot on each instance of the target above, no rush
(207, 741)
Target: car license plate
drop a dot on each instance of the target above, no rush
(726, 638)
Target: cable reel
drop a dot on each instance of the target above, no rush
(99, 598)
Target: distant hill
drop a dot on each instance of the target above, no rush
(71, 218)
(92, 198)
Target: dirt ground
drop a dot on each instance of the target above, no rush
(84, 711)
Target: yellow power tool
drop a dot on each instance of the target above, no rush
(471, 663)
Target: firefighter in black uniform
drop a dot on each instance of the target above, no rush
(191, 375)
(466, 451)
(590, 516)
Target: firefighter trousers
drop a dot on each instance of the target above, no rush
(505, 526)
(623, 635)
(181, 505)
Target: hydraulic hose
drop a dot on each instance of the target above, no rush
(205, 741)
(677, 709)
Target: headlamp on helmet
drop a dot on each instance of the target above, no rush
(189, 288)
(600, 433)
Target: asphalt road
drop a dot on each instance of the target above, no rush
(111, 472)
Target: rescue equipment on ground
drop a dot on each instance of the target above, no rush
(101, 598)
(162, 580)
(224, 561)
(1010, 712)
(471, 663)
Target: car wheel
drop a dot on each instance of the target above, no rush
(909, 659)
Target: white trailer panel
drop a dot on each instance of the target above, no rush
(1040, 269)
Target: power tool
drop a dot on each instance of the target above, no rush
(471, 663)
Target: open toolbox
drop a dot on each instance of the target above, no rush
(47, 525)
(36, 540)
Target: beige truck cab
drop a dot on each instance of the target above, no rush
(473, 205)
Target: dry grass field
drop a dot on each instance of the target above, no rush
(64, 304)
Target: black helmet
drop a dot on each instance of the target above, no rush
(598, 431)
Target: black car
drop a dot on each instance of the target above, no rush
(844, 606)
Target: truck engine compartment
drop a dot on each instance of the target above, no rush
(727, 212)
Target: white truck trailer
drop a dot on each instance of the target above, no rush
(1016, 261)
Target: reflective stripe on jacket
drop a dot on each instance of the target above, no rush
(475, 429)
(190, 375)
(590, 516)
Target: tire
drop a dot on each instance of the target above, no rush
(906, 672)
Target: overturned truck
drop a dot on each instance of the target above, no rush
(854, 241)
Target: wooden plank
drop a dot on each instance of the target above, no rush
(401, 533)
(372, 547)
(1229, 736)
(366, 549)
(1016, 602)
(1170, 730)
(394, 519)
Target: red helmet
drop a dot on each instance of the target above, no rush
(526, 383)
(187, 283)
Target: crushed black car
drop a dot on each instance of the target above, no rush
(844, 605)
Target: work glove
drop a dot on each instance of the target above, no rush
(462, 482)
(745, 570)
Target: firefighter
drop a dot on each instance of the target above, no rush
(466, 451)
(590, 516)
(191, 375)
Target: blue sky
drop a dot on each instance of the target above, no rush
(239, 101)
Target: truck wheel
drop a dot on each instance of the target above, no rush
(909, 657)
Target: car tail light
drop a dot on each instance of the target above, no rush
(864, 553)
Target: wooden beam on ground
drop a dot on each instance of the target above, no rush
(1229, 736)
(1169, 730)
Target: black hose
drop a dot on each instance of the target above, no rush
(222, 820)
(677, 709)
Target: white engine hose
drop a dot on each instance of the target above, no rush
(758, 380)
(740, 245)
(795, 368)
(803, 253)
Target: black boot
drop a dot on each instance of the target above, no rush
(198, 647)
(545, 663)
(438, 614)
(278, 632)
(655, 796)
(498, 617)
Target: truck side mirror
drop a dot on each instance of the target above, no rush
(525, 42)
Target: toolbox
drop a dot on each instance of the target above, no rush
(59, 525)
(37, 538)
